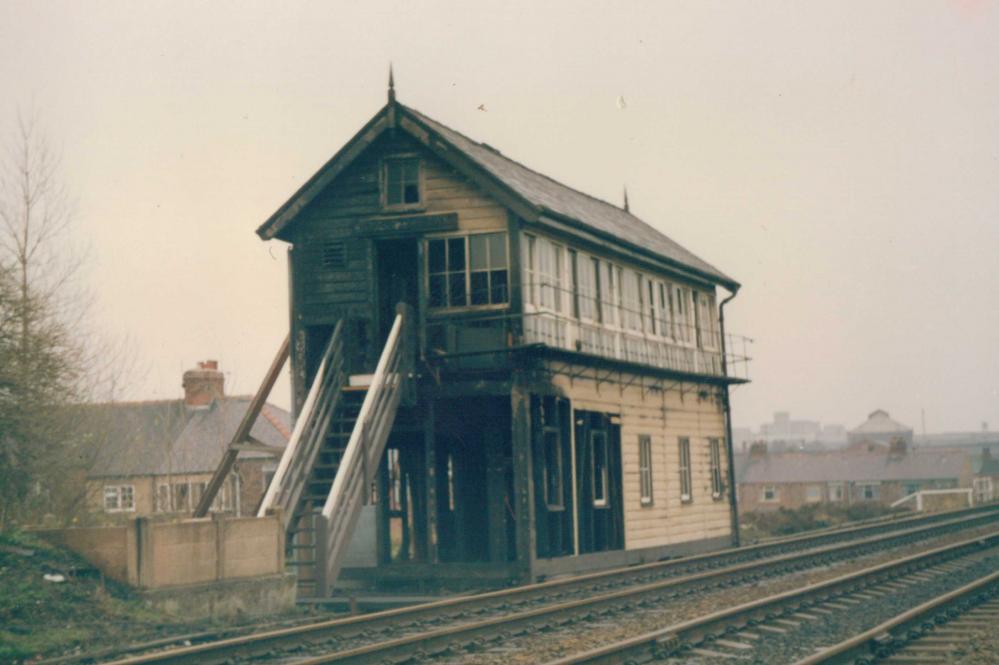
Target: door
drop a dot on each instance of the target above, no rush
(398, 280)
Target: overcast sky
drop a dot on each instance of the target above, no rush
(840, 159)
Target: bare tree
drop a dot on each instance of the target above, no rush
(44, 360)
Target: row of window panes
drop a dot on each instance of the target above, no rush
(598, 291)
(686, 484)
(119, 498)
(184, 497)
(813, 493)
(465, 271)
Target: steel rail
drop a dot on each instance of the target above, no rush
(887, 638)
(331, 633)
(671, 640)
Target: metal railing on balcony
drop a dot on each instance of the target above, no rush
(685, 349)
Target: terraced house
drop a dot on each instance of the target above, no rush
(495, 377)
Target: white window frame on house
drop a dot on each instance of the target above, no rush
(122, 498)
(686, 477)
(769, 494)
(466, 269)
(166, 498)
(385, 184)
(983, 489)
(645, 468)
(836, 491)
(813, 493)
(717, 484)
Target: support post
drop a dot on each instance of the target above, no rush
(320, 567)
(523, 488)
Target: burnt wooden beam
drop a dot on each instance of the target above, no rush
(401, 227)
(243, 430)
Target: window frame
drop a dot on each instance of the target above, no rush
(118, 492)
(836, 491)
(715, 456)
(466, 236)
(645, 487)
(774, 492)
(684, 468)
(808, 493)
(384, 183)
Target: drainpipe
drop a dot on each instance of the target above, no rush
(733, 507)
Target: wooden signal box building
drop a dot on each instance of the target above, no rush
(562, 399)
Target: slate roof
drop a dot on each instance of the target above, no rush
(167, 437)
(554, 197)
(988, 466)
(538, 191)
(843, 466)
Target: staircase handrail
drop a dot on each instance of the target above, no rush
(309, 432)
(363, 452)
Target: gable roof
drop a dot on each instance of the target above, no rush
(539, 194)
(168, 437)
(845, 466)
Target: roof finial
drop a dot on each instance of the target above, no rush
(391, 89)
(626, 199)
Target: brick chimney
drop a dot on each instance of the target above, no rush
(204, 384)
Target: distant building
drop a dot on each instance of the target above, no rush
(768, 481)
(878, 433)
(787, 434)
(156, 457)
(986, 482)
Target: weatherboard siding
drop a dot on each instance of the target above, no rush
(664, 417)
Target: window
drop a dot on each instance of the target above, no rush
(488, 266)
(706, 321)
(682, 311)
(650, 307)
(574, 283)
(402, 183)
(665, 311)
(813, 493)
(869, 492)
(645, 468)
(600, 478)
(835, 491)
(482, 279)
(181, 494)
(544, 270)
(163, 503)
(769, 494)
(554, 492)
(631, 304)
(685, 480)
(119, 498)
(717, 487)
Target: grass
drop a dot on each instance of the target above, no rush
(786, 522)
(43, 618)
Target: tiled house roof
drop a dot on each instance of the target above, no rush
(169, 437)
(843, 466)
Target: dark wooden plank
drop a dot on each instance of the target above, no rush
(243, 430)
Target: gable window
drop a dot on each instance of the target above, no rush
(645, 468)
(119, 498)
(769, 494)
(717, 487)
(467, 270)
(401, 179)
(685, 479)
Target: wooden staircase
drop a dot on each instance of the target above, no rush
(326, 471)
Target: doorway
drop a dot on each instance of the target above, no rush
(398, 280)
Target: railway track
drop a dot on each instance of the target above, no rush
(786, 627)
(942, 630)
(470, 623)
